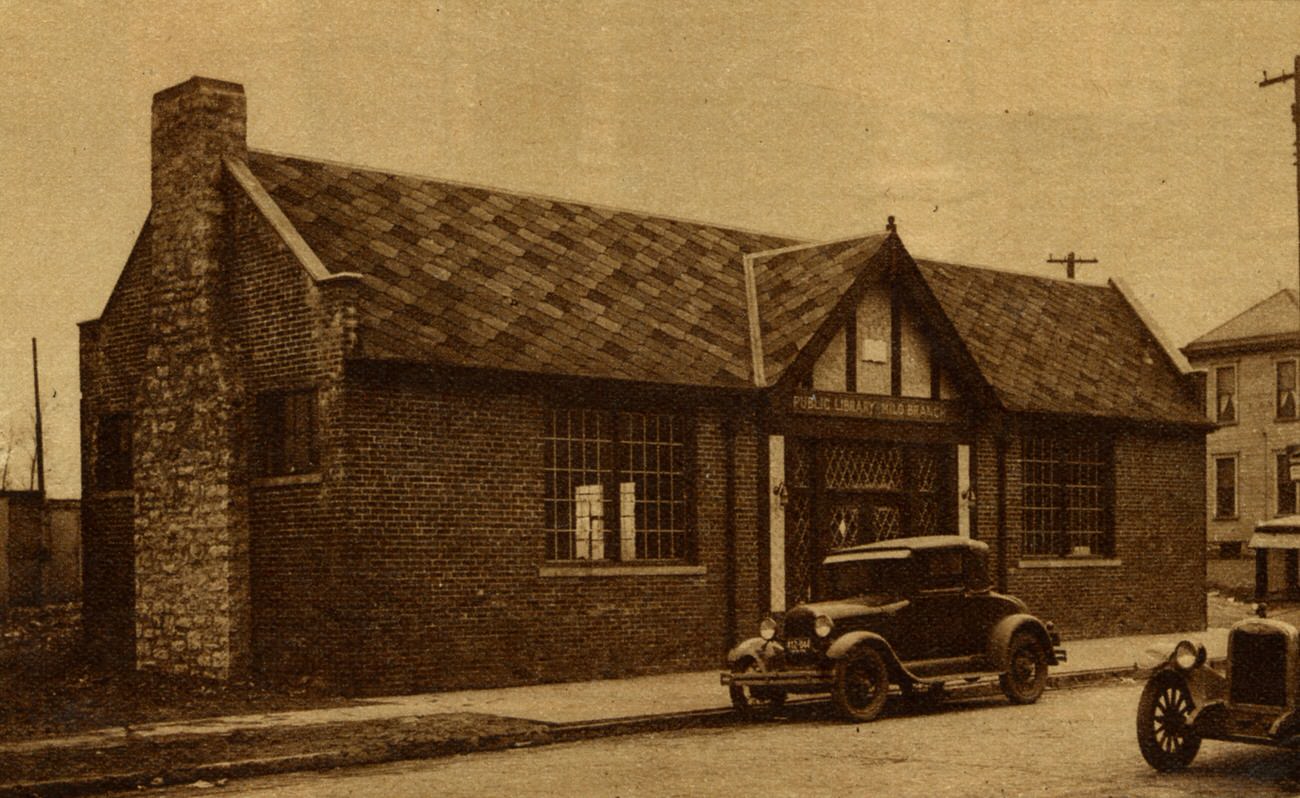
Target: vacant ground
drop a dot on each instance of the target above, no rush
(47, 687)
(1234, 576)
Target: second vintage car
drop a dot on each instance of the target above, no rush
(914, 612)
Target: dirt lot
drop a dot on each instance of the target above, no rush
(1231, 577)
(47, 687)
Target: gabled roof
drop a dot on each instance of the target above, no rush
(797, 290)
(469, 276)
(478, 277)
(1060, 346)
(1272, 320)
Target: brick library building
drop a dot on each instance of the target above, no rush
(399, 433)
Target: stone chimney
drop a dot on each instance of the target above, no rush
(192, 612)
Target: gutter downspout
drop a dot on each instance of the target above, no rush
(1001, 446)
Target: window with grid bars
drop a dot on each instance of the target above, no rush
(616, 485)
(1066, 498)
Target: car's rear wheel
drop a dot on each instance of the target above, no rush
(1026, 673)
(751, 701)
(861, 685)
(1166, 738)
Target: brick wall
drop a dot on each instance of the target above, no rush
(443, 584)
(1156, 580)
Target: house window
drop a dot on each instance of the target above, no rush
(1285, 487)
(616, 485)
(113, 452)
(1066, 495)
(1225, 394)
(286, 422)
(1286, 389)
(1225, 487)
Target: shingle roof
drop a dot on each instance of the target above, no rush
(798, 289)
(1058, 346)
(1270, 318)
(471, 276)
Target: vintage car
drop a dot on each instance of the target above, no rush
(1255, 698)
(913, 612)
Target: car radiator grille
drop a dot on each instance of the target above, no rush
(1258, 668)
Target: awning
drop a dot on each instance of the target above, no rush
(1275, 540)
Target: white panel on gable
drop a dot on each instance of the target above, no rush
(915, 360)
(946, 388)
(828, 371)
(874, 335)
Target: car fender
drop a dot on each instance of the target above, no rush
(755, 647)
(846, 643)
(1005, 629)
(1206, 685)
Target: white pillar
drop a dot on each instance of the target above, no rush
(965, 502)
(776, 520)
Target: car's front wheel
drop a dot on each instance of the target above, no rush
(1026, 673)
(861, 685)
(1166, 738)
(752, 701)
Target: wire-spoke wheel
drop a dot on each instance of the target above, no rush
(1168, 741)
(1026, 674)
(752, 701)
(861, 685)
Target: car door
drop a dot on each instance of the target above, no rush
(939, 605)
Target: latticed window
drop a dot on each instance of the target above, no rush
(1066, 497)
(286, 423)
(616, 485)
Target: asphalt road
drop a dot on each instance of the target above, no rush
(1073, 743)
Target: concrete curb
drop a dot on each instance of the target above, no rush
(555, 733)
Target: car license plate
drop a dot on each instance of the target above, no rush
(798, 645)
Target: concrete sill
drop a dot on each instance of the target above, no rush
(287, 481)
(125, 493)
(1072, 562)
(589, 571)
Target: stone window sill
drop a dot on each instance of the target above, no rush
(122, 493)
(1072, 562)
(287, 480)
(615, 569)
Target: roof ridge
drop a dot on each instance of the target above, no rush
(1013, 273)
(799, 240)
(772, 253)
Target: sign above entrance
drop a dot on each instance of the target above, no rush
(891, 408)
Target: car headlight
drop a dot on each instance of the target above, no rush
(767, 629)
(823, 625)
(1188, 655)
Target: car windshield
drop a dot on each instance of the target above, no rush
(887, 575)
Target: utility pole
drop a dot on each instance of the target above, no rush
(40, 442)
(1069, 260)
(1295, 119)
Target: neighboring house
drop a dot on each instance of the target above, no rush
(1249, 365)
(402, 433)
(40, 549)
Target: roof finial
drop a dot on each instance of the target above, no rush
(890, 226)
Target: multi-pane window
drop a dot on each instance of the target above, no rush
(1286, 408)
(1225, 394)
(1225, 487)
(286, 423)
(113, 452)
(616, 485)
(1066, 496)
(1285, 487)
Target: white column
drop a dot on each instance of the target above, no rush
(776, 520)
(965, 502)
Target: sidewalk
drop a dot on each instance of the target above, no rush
(430, 724)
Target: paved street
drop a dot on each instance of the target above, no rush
(1075, 743)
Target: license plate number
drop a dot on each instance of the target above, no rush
(798, 645)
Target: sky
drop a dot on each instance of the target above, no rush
(997, 133)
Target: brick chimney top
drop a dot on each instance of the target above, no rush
(195, 125)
